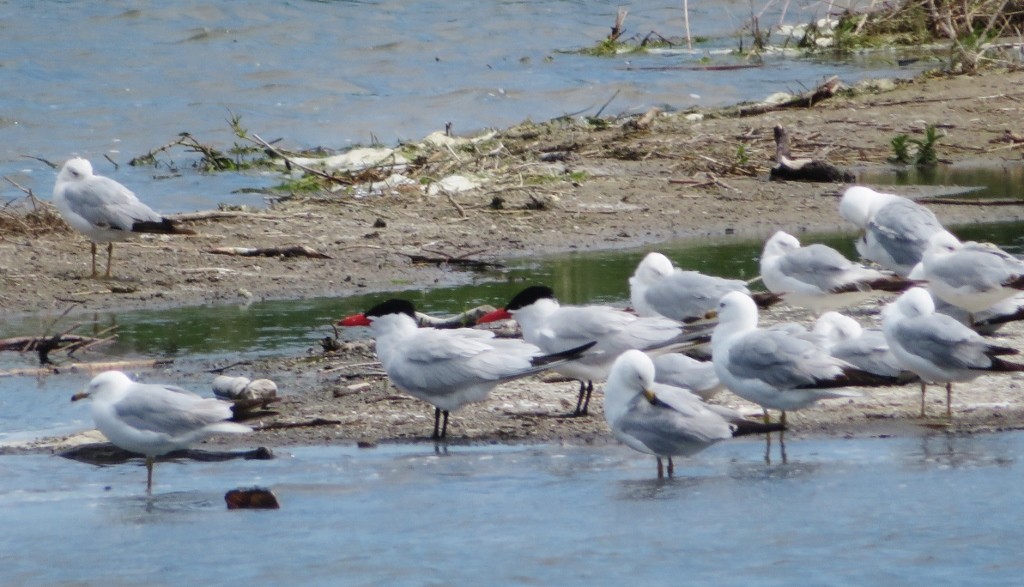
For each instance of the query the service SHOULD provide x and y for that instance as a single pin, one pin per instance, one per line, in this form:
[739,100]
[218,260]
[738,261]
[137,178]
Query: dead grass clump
[22,218]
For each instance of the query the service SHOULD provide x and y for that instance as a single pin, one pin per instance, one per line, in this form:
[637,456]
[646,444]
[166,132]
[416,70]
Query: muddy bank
[685,176]
[603,187]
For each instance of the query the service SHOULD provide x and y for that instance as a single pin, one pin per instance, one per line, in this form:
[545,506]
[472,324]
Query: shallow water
[119,79]
[934,510]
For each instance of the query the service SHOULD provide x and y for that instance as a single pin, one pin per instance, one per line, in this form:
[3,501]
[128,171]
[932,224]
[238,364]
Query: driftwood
[446,259]
[88,367]
[315,422]
[281,251]
[467,318]
[805,169]
[31,343]
[826,90]
[956,202]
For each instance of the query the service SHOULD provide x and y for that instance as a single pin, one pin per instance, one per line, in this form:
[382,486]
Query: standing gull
[774,368]
[818,277]
[972,276]
[555,328]
[153,420]
[937,347]
[657,288]
[104,210]
[894,230]
[663,420]
[449,368]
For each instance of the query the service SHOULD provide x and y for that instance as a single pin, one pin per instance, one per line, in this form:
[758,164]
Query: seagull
[818,277]
[985,322]
[680,370]
[864,348]
[104,210]
[774,368]
[937,347]
[663,420]
[452,367]
[973,276]
[657,288]
[894,230]
[153,420]
[555,328]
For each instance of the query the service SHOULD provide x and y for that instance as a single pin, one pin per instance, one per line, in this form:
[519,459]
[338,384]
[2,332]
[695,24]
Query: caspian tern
[153,420]
[774,368]
[104,210]
[555,328]
[818,277]
[450,368]
[663,420]
[657,288]
[894,230]
[937,347]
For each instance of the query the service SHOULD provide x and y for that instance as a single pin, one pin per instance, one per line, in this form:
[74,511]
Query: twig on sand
[306,168]
[824,91]
[279,251]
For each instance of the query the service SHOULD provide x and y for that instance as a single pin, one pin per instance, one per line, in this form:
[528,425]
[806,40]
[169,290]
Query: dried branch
[279,251]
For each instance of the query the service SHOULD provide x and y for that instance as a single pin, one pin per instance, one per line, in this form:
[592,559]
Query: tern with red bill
[449,368]
[556,328]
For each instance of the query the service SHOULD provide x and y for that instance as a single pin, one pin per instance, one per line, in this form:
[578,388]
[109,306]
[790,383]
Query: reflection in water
[660,489]
[957,451]
[1004,181]
[859,511]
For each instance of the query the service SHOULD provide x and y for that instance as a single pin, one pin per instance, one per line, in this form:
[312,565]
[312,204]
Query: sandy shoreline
[682,178]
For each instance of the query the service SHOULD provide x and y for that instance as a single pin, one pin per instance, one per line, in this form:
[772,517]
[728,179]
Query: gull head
[942,243]
[75,169]
[779,244]
[652,268]
[860,203]
[836,327]
[736,310]
[104,386]
[913,303]
[631,374]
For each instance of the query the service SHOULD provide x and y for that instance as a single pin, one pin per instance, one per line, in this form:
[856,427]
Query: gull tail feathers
[741,427]
[164,226]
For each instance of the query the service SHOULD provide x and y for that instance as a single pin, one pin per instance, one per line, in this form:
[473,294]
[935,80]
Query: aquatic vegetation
[918,152]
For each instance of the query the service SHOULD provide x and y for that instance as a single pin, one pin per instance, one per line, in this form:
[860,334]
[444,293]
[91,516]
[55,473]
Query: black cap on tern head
[392,306]
[529,296]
